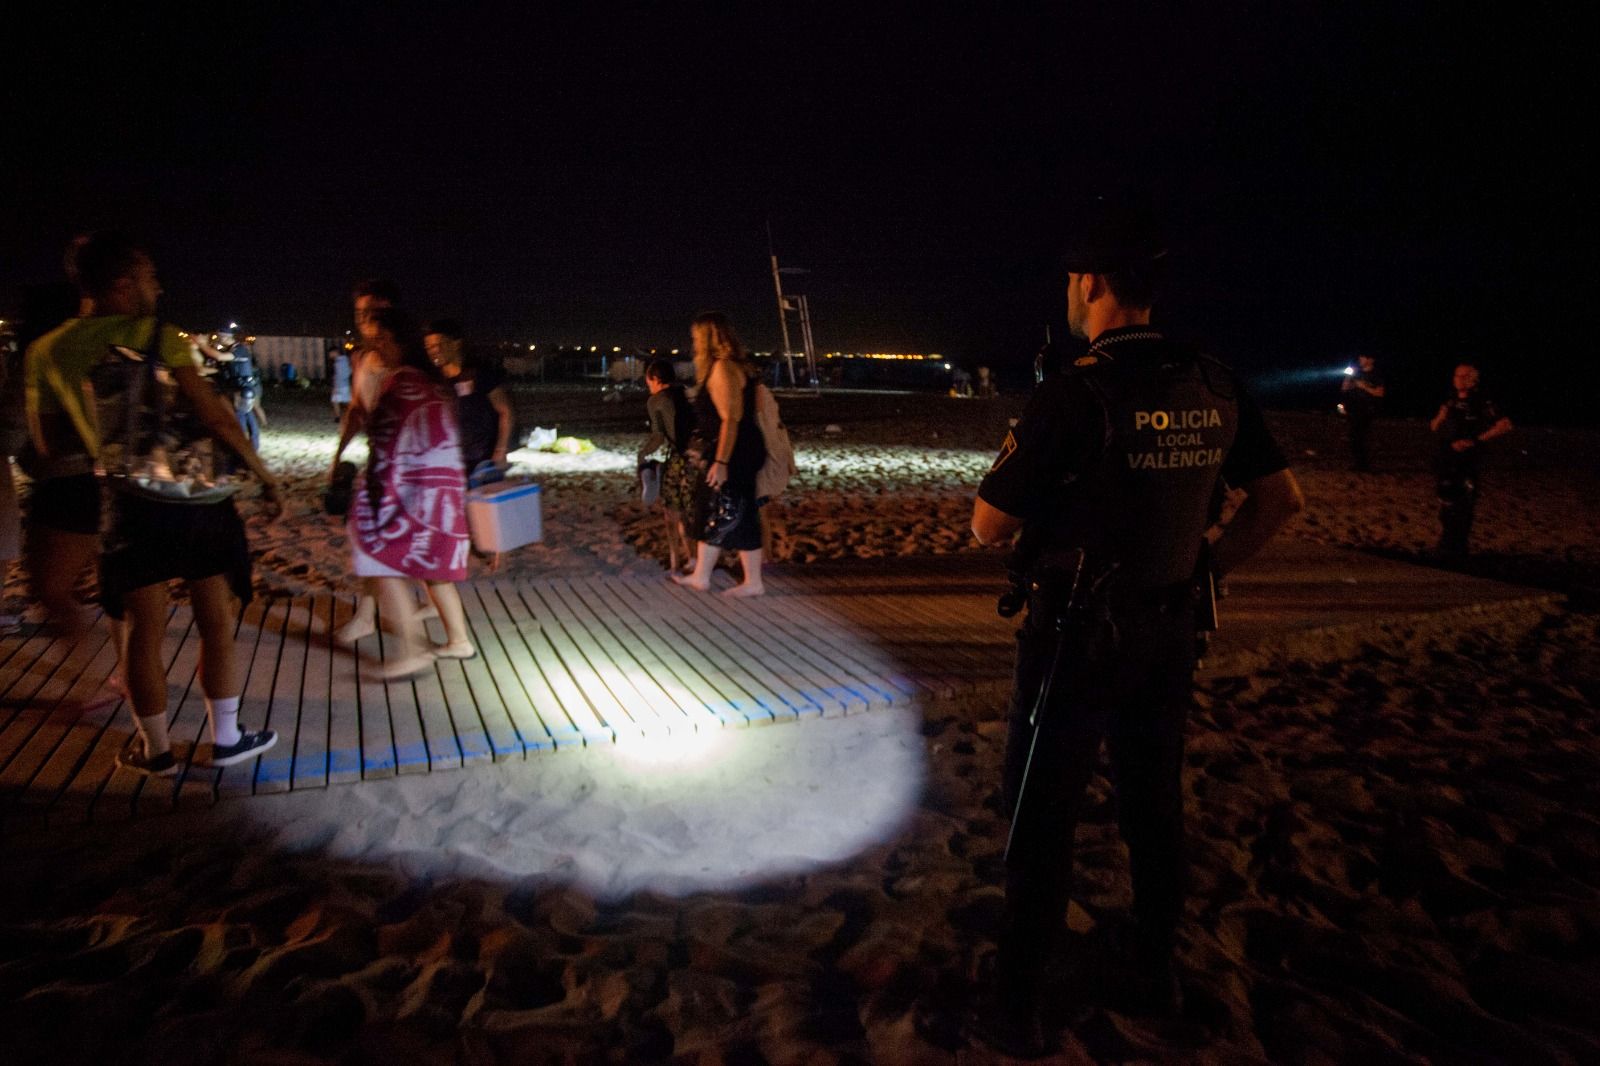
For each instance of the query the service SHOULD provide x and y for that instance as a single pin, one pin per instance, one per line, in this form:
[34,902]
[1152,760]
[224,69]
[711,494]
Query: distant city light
[594,348]
[531,347]
[615,348]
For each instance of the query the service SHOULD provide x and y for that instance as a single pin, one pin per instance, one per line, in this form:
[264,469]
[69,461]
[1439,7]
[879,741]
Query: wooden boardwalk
[561,664]
[570,662]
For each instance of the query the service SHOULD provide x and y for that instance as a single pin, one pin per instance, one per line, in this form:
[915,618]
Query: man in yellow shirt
[151,540]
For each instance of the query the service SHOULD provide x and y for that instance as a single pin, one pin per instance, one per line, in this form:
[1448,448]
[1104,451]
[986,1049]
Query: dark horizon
[1397,182]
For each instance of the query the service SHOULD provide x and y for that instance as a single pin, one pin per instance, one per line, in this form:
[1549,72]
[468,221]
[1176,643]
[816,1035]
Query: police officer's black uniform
[1360,409]
[1459,474]
[1118,456]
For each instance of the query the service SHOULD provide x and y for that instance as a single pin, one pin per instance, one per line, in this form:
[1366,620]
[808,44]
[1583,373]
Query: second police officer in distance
[1118,456]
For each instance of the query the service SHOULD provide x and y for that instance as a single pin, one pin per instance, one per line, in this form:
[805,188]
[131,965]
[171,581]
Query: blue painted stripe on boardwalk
[275,768]
[345,761]
[413,754]
[474,742]
[377,761]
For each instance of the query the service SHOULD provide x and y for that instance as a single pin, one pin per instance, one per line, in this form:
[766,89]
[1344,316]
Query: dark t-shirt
[1358,401]
[480,423]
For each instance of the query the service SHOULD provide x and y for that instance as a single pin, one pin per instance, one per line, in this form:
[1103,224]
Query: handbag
[723,515]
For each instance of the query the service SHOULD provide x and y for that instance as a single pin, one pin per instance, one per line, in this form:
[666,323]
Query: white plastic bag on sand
[540,437]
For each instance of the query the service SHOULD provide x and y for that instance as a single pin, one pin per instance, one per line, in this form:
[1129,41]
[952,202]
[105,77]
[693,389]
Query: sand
[1396,853]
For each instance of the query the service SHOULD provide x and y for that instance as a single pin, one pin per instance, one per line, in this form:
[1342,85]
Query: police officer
[1363,389]
[1117,457]
[1465,423]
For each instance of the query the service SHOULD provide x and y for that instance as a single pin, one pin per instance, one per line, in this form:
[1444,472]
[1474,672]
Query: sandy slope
[1396,855]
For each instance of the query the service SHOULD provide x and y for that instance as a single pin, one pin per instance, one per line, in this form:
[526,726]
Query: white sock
[224,715]
[153,731]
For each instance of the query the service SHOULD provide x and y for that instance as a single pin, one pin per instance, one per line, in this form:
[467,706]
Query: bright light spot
[531,347]
[947,366]
[674,351]
[594,348]
[675,752]
[615,348]
[1349,371]
[233,325]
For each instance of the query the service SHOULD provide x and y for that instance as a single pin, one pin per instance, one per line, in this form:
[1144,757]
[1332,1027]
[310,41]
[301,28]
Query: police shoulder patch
[1086,360]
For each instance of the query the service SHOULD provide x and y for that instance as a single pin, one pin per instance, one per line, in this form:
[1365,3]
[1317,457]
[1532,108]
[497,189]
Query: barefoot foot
[744,590]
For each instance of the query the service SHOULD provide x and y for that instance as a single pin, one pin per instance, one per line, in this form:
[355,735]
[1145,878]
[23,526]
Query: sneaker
[249,746]
[132,757]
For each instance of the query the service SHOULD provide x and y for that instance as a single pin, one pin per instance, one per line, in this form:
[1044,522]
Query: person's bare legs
[399,608]
[56,560]
[216,613]
[364,622]
[457,639]
[750,563]
[705,563]
[146,623]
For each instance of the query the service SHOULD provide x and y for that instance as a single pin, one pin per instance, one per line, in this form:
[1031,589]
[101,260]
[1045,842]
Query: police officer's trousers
[1134,694]
[1460,482]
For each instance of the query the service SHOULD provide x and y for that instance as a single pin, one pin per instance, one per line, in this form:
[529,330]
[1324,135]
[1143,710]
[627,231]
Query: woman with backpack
[729,453]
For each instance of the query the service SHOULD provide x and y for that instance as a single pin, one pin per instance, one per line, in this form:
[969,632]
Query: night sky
[1334,179]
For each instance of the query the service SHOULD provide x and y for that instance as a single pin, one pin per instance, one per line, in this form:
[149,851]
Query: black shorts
[66,504]
[152,542]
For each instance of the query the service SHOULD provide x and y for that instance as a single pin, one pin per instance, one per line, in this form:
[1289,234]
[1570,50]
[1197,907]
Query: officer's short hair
[661,370]
[1135,286]
[97,261]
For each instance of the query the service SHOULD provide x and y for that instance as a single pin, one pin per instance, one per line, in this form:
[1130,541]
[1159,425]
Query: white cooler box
[504,515]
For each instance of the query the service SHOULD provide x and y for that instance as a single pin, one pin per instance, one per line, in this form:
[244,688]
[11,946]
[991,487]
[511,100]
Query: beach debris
[541,438]
[833,429]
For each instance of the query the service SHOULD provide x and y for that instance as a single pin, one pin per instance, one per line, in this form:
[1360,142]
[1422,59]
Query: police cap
[1109,235]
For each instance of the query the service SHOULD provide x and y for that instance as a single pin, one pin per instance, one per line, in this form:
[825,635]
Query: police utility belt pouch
[151,444]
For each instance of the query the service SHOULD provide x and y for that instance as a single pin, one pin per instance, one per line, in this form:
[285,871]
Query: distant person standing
[242,382]
[1362,390]
[482,402]
[339,372]
[1465,423]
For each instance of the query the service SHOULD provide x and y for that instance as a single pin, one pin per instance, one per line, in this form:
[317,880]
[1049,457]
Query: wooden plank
[607,714]
[26,672]
[311,741]
[502,731]
[372,696]
[116,801]
[605,659]
[84,759]
[709,643]
[505,659]
[845,666]
[912,661]
[750,703]
[274,771]
[709,705]
[838,635]
[526,654]
[677,707]
[888,622]
[653,711]
[752,625]
[445,688]
[344,705]
[268,617]
[914,621]
[438,728]
[54,713]
[405,717]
